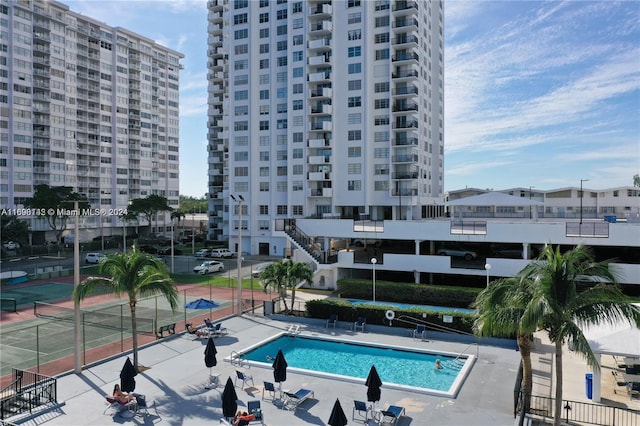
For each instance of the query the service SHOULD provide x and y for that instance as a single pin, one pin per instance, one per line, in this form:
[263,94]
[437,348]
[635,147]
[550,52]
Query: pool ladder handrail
[236,359]
[414,321]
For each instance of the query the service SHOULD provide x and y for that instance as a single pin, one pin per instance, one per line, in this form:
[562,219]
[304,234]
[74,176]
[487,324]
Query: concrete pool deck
[176,378]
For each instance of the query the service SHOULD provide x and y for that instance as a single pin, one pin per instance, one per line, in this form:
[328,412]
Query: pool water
[409,306]
[399,366]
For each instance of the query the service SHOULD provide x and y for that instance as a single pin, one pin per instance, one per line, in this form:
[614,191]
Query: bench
[169,328]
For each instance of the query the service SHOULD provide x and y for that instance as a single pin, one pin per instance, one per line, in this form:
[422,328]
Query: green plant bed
[422,294]
[216,281]
[376,315]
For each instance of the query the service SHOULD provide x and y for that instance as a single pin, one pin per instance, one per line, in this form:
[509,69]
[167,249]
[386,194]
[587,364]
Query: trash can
[267,307]
[588,378]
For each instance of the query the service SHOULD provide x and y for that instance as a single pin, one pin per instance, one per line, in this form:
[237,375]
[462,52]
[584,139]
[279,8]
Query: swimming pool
[399,367]
[409,306]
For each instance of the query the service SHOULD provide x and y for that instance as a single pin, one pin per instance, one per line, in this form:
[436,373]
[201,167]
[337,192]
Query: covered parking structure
[493,200]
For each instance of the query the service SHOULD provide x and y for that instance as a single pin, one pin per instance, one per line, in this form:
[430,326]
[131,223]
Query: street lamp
[581,196]
[487,267]
[239,200]
[172,254]
[373,263]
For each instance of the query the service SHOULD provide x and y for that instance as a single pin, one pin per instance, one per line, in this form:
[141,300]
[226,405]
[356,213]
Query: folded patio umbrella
[229,399]
[280,368]
[337,417]
[127,374]
[202,304]
[210,354]
[373,385]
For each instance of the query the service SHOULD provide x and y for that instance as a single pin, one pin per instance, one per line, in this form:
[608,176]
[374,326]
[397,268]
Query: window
[281,30]
[354,35]
[381,87]
[381,185]
[354,185]
[240,4]
[298,88]
[381,103]
[264,32]
[240,19]
[241,79]
[264,125]
[298,169]
[382,21]
[241,125]
[353,3]
[281,45]
[354,151]
[241,171]
[381,136]
[382,54]
[263,225]
[263,17]
[281,170]
[382,4]
[297,105]
[354,118]
[296,185]
[381,38]
[282,123]
[241,34]
[281,14]
[264,171]
[281,186]
[264,64]
[264,48]
[355,84]
[297,210]
[263,209]
[281,155]
[297,137]
[264,186]
[297,40]
[264,109]
[281,77]
[298,72]
[381,120]
[264,155]
[354,168]
[241,95]
[354,51]
[354,135]
[282,61]
[264,94]
[355,68]
[381,169]
[381,153]
[297,153]
[297,56]
[297,23]
[354,18]
[241,156]
[354,101]
[281,209]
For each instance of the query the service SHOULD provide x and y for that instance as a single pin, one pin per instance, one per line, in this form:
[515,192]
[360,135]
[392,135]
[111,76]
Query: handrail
[236,359]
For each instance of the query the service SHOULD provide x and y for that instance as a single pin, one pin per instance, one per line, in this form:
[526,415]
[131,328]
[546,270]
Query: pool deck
[175,384]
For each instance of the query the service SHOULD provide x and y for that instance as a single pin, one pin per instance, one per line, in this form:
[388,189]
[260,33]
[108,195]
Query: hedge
[375,314]
[420,294]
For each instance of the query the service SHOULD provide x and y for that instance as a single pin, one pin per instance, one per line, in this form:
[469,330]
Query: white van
[221,253]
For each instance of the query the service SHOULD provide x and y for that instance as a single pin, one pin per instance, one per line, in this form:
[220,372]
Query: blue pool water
[399,366]
[408,306]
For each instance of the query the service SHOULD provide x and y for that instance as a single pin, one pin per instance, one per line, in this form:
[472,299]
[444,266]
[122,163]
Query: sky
[538,94]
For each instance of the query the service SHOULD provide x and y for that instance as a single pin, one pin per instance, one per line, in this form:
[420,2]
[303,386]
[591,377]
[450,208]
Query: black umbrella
[127,381]
[210,354]
[280,368]
[229,399]
[337,417]
[373,385]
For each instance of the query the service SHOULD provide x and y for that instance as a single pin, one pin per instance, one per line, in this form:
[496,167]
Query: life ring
[390,315]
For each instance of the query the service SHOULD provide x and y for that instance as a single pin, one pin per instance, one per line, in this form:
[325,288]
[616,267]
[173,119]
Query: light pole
[373,263]
[76,283]
[530,207]
[581,195]
[172,258]
[239,200]
[193,232]
[487,268]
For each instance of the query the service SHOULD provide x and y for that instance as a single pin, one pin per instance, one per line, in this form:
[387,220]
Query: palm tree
[135,274]
[283,274]
[500,308]
[564,298]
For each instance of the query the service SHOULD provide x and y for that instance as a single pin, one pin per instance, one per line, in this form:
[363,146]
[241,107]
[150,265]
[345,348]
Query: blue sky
[539,94]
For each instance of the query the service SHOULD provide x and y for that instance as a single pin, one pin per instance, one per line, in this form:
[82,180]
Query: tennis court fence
[8,304]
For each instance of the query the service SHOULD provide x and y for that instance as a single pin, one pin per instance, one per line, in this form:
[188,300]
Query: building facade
[85,105]
[322,109]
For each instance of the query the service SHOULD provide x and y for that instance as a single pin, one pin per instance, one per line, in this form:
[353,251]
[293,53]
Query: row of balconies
[321,9]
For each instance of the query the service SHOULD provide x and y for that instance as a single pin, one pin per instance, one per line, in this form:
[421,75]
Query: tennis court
[49,292]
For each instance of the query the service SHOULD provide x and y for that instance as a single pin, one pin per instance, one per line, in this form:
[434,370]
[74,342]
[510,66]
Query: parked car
[94,257]
[11,245]
[203,253]
[148,249]
[258,269]
[455,252]
[208,267]
[225,253]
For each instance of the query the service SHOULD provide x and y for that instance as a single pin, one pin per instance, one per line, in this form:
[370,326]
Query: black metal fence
[8,304]
[27,391]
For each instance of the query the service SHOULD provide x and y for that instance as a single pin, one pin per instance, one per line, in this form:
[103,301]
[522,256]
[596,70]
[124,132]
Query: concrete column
[417,246]
[597,379]
[432,247]
[416,277]
[525,251]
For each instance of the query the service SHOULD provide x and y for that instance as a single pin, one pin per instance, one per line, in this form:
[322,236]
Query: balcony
[404,175]
[324,92]
[405,39]
[405,158]
[318,143]
[324,27]
[318,60]
[405,142]
[401,6]
[321,192]
[320,43]
[320,76]
[319,159]
[319,176]
[320,10]
[400,57]
[409,124]
[322,109]
[405,106]
[323,126]
[405,90]
[405,23]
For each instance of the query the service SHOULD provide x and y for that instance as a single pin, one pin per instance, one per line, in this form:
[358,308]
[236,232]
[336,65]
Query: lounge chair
[117,406]
[293,329]
[362,321]
[195,331]
[420,331]
[253,407]
[244,377]
[360,407]
[142,405]
[333,319]
[293,400]
[618,382]
[269,387]
[391,415]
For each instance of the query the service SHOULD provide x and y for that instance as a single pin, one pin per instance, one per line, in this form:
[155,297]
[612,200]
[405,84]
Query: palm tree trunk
[134,332]
[524,344]
[293,296]
[557,413]
[283,295]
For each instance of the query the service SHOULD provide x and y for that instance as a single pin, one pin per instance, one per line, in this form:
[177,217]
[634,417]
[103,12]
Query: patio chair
[617,382]
[360,407]
[333,319]
[253,407]
[420,331]
[362,321]
[293,400]
[195,331]
[245,378]
[117,406]
[142,405]
[391,415]
[219,330]
[271,389]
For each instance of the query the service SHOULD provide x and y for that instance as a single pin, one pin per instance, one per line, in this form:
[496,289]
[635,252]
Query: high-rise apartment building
[85,105]
[322,109]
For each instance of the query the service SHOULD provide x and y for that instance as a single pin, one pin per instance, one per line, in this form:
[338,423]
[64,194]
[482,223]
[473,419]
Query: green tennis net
[112,321]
